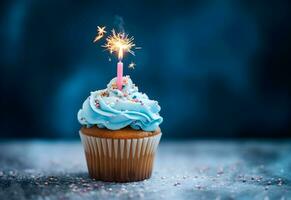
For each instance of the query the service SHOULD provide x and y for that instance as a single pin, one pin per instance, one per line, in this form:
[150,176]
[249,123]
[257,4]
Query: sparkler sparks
[132,65]
[119,43]
[100,33]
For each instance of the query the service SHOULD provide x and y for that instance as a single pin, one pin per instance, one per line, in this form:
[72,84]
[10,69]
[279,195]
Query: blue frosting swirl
[114,109]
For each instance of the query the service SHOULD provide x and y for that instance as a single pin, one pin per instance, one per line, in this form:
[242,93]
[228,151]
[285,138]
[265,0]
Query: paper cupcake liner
[120,160]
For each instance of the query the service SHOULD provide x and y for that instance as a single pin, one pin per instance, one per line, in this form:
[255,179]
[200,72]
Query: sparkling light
[119,43]
[132,65]
[100,33]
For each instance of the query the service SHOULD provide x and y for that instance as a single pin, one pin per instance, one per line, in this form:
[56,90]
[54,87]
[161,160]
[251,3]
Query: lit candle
[119,43]
[119,75]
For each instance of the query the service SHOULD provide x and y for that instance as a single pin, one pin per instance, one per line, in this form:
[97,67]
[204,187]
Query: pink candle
[119,75]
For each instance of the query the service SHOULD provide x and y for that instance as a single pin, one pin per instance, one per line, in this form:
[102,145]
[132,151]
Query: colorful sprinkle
[105,94]
[97,105]
[124,80]
[114,86]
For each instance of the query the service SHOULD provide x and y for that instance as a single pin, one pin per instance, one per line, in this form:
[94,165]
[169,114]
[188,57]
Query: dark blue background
[217,68]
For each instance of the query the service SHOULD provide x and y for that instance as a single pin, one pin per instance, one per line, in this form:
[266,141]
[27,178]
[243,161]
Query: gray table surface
[183,170]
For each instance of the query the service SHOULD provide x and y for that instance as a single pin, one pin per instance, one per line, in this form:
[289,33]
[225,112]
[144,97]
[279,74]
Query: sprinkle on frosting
[115,109]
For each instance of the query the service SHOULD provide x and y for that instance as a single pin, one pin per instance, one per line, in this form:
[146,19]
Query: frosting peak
[115,109]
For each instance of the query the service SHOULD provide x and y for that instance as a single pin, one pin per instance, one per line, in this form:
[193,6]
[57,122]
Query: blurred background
[219,69]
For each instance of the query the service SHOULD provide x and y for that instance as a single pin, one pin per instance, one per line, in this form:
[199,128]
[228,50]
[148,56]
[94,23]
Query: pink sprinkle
[97,104]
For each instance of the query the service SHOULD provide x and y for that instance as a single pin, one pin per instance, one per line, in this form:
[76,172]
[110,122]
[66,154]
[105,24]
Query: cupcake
[120,132]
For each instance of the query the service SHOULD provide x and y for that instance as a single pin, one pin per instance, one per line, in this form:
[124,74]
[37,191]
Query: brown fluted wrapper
[120,160]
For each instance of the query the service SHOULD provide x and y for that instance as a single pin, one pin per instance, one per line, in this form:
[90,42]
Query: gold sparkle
[132,65]
[119,43]
[100,33]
